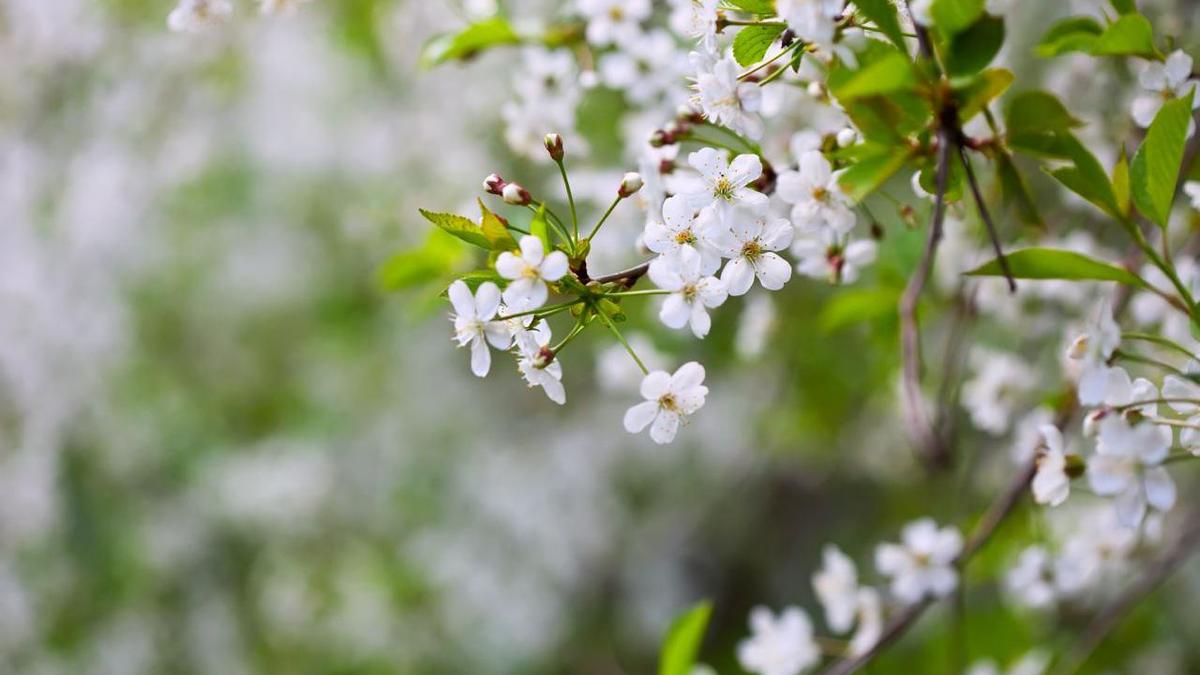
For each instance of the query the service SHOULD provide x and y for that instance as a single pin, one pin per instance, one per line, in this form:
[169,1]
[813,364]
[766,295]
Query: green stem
[1138,358]
[750,146]
[1158,340]
[621,338]
[570,198]
[576,330]
[554,222]
[1173,423]
[604,217]
[627,294]
[549,309]
[1155,401]
[771,60]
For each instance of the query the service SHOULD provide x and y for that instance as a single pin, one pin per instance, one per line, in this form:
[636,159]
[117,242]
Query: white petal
[664,427]
[555,266]
[664,273]
[690,374]
[1131,506]
[640,415]
[532,250]
[1176,387]
[481,358]
[461,299]
[510,266]
[487,301]
[772,271]
[656,385]
[708,162]
[675,311]
[737,276]
[700,321]
[744,169]
[1160,489]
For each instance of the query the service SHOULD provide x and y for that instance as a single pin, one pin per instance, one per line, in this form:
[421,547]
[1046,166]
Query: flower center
[751,250]
[723,189]
[616,13]
[820,194]
[667,402]
[689,292]
[685,237]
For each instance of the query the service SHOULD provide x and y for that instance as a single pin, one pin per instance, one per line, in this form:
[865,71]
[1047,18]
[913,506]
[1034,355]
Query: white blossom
[474,325]
[1093,349]
[196,15]
[922,565]
[838,260]
[1051,484]
[836,585]
[683,228]
[1031,581]
[696,19]
[532,362]
[811,20]
[779,645]
[996,390]
[726,100]
[610,21]
[1162,82]
[750,246]
[725,185]
[817,199]
[669,400]
[691,291]
[528,272]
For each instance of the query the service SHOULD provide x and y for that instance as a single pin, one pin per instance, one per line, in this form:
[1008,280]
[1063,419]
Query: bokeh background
[227,446]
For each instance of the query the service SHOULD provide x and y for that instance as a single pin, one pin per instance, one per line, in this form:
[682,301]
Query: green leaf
[1076,34]
[973,49]
[953,16]
[882,13]
[683,640]
[754,6]
[889,73]
[955,179]
[432,261]
[1155,169]
[1037,111]
[1129,35]
[494,230]
[1086,177]
[858,305]
[866,175]
[752,42]
[978,93]
[468,42]
[1124,6]
[1016,191]
[540,227]
[1121,184]
[459,226]
[1052,263]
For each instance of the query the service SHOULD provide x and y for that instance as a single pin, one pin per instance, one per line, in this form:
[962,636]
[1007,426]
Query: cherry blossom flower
[836,585]
[997,389]
[1051,485]
[779,645]
[1093,349]
[726,100]
[691,290]
[1175,388]
[533,364]
[529,271]
[1031,581]
[725,184]
[610,21]
[647,68]
[750,245]
[811,20]
[696,19]
[473,324]
[870,622]
[669,400]
[817,199]
[279,7]
[196,15]
[683,228]
[835,259]
[923,564]
[1163,82]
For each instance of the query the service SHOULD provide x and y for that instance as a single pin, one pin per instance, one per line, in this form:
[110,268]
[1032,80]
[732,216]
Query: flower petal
[481,358]
[665,425]
[737,276]
[772,271]
[461,299]
[555,266]
[640,416]
[655,385]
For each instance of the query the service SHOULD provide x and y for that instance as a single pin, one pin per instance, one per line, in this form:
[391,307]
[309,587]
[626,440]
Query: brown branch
[1112,615]
[986,217]
[630,276]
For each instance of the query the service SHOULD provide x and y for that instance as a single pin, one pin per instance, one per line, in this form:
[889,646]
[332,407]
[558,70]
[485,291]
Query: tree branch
[630,276]
[986,217]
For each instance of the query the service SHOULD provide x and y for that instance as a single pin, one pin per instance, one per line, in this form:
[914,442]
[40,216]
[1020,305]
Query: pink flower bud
[554,146]
[494,184]
[515,194]
[630,183]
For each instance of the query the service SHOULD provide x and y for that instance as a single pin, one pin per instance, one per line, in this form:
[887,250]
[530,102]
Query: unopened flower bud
[660,137]
[554,146]
[846,137]
[494,184]
[630,183]
[515,194]
[544,357]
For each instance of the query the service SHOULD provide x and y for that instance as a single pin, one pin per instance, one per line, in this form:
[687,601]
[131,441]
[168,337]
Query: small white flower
[870,622]
[725,184]
[531,361]
[750,245]
[696,19]
[779,645]
[811,20]
[997,389]
[826,255]
[683,228]
[610,21]
[529,271]
[1094,348]
[279,7]
[196,15]
[836,585]
[669,399]
[691,290]
[817,199]
[646,69]
[1051,484]
[724,99]
[1179,391]
[923,565]
[1030,582]
[1163,82]
[474,325]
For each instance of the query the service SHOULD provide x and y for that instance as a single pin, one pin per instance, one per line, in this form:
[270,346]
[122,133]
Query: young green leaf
[891,73]
[1016,191]
[882,13]
[1155,169]
[1124,6]
[683,640]
[431,261]
[974,96]
[752,42]
[468,42]
[459,226]
[1120,183]
[1129,35]
[493,228]
[754,6]
[1036,111]
[1076,34]
[973,49]
[1052,263]
[866,175]
[540,227]
[953,16]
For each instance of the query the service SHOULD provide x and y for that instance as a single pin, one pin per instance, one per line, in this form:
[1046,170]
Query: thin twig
[1112,615]
[630,275]
[986,217]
